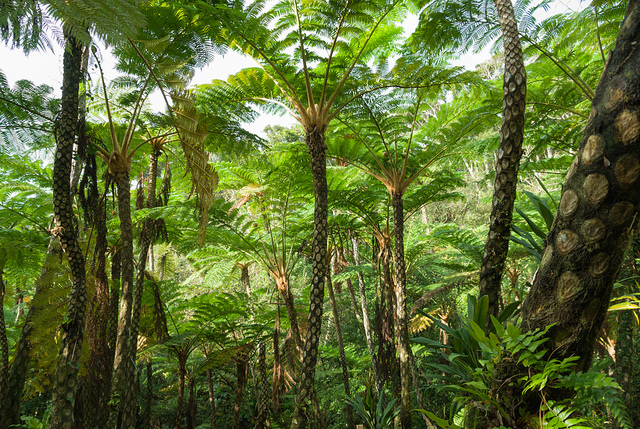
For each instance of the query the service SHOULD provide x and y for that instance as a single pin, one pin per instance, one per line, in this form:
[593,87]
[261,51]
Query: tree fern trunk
[509,154]
[263,386]
[285,292]
[402,328]
[182,375]
[212,399]
[65,383]
[343,357]
[597,211]
[241,378]
[4,342]
[121,372]
[315,140]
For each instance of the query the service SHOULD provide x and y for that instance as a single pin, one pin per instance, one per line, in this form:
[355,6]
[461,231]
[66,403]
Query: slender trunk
[595,216]
[402,327]
[262,419]
[366,322]
[343,358]
[65,382]
[191,404]
[146,421]
[182,374]
[212,399]
[4,342]
[509,154]
[315,140]
[278,376]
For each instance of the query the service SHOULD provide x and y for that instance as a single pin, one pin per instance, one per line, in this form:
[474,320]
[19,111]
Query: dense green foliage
[230,263]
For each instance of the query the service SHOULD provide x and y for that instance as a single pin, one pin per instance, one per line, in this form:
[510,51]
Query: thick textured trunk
[402,327]
[65,382]
[387,321]
[315,140]
[366,322]
[262,419]
[343,358]
[182,375]
[212,399]
[121,372]
[596,213]
[509,154]
[96,384]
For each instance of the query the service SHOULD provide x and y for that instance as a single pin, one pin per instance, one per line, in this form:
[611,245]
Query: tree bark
[241,374]
[402,328]
[191,404]
[212,398]
[596,213]
[366,322]
[509,154]
[65,383]
[343,357]
[4,342]
[282,283]
[315,140]
[182,375]
[262,419]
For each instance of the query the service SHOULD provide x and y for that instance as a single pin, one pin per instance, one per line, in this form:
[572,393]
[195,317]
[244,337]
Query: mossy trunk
[65,382]
[302,415]
[401,322]
[509,154]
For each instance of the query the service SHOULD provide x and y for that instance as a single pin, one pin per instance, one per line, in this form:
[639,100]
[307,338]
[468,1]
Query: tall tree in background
[508,158]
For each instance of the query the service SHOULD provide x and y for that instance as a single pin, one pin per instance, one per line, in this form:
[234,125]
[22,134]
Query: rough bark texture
[191,404]
[509,154]
[343,358]
[315,140]
[96,384]
[597,209]
[386,322]
[65,383]
[121,362]
[402,327]
[182,375]
[146,419]
[282,282]
[242,367]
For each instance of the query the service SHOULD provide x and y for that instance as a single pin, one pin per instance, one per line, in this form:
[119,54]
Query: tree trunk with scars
[387,320]
[129,405]
[315,140]
[343,358]
[509,154]
[65,384]
[596,214]
[402,328]
[121,361]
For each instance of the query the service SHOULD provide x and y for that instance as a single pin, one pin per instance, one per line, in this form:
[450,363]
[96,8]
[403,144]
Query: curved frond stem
[128,135]
[604,59]
[557,106]
[584,87]
[44,229]
[112,129]
[364,143]
[345,77]
[333,48]
[413,127]
[27,109]
[279,103]
[307,79]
